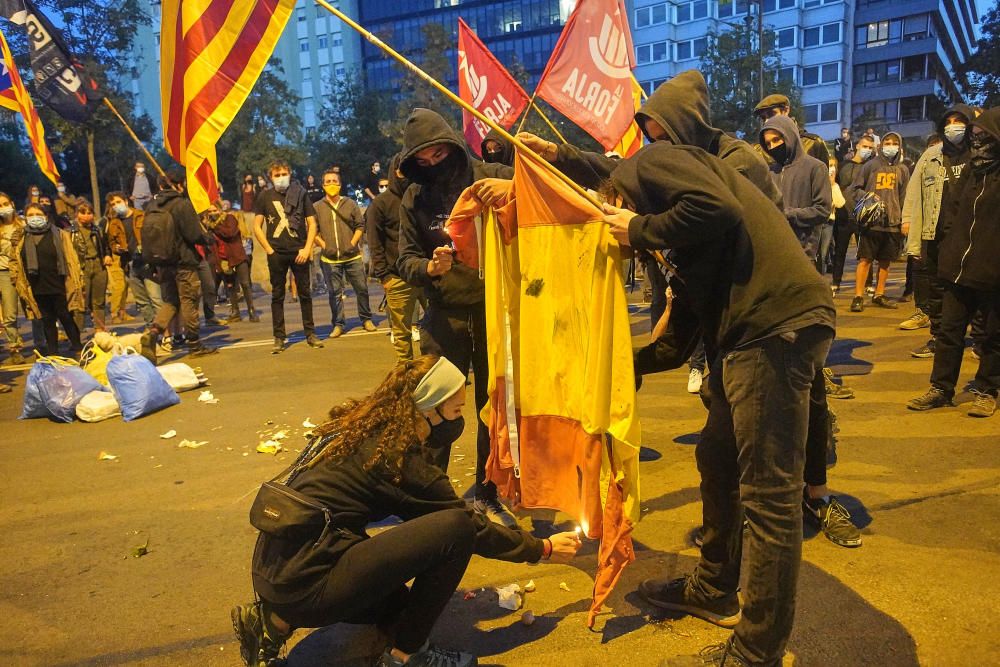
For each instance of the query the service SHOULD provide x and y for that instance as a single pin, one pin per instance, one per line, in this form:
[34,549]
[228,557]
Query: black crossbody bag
[281,511]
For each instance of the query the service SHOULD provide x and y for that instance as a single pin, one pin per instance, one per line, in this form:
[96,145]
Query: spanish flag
[13,96]
[631,141]
[211,54]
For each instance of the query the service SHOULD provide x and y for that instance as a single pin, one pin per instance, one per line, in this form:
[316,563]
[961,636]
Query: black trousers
[928,288]
[368,583]
[818,436]
[459,335]
[750,457]
[239,281]
[843,229]
[278,265]
[54,308]
[958,309]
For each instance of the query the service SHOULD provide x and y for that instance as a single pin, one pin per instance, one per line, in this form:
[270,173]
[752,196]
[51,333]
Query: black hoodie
[382,222]
[186,223]
[506,153]
[681,107]
[886,178]
[955,160]
[970,253]
[428,202]
[803,180]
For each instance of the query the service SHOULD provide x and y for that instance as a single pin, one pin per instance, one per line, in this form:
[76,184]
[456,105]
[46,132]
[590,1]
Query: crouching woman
[370,462]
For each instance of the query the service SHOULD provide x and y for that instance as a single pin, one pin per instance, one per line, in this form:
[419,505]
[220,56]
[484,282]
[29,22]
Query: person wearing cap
[369,461]
[778,105]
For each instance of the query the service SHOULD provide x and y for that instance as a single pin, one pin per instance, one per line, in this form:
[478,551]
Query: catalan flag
[211,54]
[13,96]
[631,141]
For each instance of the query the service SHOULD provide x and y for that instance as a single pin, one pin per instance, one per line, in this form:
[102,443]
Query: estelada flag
[211,54]
[631,141]
[13,96]
[564,430]
[484,83]
[589,75]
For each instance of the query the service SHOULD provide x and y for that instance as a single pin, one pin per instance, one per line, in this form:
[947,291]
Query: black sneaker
[882,302]
[257,647]
[495,511]
[278,347]
[857,304]
[681,596]
[934,398]
[313,341]
[833,519]
[719,655]
[925,351]
[429,656]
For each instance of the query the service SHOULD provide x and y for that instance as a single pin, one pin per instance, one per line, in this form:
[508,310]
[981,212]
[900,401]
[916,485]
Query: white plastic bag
[180,376]
[97,406]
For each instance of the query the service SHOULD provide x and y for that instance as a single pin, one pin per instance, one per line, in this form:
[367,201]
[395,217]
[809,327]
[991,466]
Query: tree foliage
[731,65]
[980,74]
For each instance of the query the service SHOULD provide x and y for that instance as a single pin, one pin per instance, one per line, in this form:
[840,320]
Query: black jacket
[681,107]
[382,221]
[284,570]
[803,180]
[955,160]
[428,202]
[886,178]
[186,223]
[970,253]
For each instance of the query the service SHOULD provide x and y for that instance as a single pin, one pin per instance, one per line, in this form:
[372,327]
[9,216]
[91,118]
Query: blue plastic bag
[34,405]
[62,390]
[138,387]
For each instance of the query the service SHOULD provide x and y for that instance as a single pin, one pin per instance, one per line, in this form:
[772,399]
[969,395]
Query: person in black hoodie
[967,261]
[778,105]
[767,319]
[180,286]
[369,461]
[846,226]
[382,221]
[886,176]
[495,149]
[438,165]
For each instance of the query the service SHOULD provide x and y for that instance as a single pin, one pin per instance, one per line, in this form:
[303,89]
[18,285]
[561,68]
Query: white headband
[439,383]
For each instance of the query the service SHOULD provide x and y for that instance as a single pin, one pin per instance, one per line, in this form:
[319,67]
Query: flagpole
[531,105]
[576,187]
[136,139]
[549,123]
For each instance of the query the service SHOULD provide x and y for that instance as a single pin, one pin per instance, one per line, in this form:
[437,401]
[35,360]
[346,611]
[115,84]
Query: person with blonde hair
[11,233]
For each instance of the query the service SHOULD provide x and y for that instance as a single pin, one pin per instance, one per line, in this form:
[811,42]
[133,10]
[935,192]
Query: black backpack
[160,241]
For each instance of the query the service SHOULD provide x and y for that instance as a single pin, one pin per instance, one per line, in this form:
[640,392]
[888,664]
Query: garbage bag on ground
[94,359]
[98,406]
[140,390]
[180,376]
[41,387]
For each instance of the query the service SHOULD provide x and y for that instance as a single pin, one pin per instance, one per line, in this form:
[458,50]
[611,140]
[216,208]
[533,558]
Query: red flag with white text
[486,85]
[589,76]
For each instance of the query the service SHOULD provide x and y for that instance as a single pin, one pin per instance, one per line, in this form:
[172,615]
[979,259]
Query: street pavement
[925,487]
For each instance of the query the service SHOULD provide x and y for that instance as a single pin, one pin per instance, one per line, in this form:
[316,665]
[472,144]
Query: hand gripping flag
[485,84]
[564,433]
[13,96]
[211,54]
[60,81]
[589,75]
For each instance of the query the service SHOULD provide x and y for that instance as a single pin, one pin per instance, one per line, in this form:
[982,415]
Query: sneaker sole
[925,408]
[980,415]
[850,544]
[921,355]
[240,631]
[728,622]
[914,327]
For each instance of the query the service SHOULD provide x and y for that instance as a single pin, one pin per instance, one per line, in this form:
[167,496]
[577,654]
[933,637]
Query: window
[651,53]
[775,5]
[323,41]
[659,13]
[914,68]
[694,48]
[820,74]
[338,40]
[911,108]
[786,74]
[878,34]
[651,15]
[887,111]
[300,14]
[827,34]
[785,38]
[307,89]
[730,8]
[809,4]
[916,27]
[690,11]
[303,46]
[827,112]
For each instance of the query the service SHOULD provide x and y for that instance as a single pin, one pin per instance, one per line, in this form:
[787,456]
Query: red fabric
[486,85]
[616,550]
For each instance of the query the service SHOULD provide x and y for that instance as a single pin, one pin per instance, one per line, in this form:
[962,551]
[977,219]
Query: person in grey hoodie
[803,180]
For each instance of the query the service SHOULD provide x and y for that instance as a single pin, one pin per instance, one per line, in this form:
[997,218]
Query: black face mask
[493,156]
[445,432]
[984,153]
[444,172]
[779,153]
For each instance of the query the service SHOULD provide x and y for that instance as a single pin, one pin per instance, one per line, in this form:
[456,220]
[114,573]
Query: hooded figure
[887,177]
[382,223]
[803,180]
[955,156]
[503,155]
[681,107]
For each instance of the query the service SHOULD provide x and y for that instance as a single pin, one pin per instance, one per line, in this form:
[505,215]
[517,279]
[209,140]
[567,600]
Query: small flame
[583,527]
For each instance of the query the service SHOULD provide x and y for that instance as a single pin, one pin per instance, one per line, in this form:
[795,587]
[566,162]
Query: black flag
[60,80]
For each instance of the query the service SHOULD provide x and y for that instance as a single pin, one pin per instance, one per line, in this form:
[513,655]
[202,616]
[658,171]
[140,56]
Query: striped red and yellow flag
[13,96]
[211,54]
[631,141]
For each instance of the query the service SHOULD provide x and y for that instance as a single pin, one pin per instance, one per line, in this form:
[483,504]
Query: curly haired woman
[372,461]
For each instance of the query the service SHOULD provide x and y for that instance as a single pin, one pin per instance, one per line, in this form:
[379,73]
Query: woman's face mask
[120,209]
[445,432]
[36,223]
[6,213]
[35,193]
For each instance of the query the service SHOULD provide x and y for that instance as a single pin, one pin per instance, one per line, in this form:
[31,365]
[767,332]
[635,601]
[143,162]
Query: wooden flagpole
[132,134]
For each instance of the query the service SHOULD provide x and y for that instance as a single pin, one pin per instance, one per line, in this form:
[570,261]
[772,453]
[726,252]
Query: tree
[732,65]
[980,74]
[19,166]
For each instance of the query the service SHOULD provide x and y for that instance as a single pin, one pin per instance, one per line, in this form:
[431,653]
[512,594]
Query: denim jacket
[923,199]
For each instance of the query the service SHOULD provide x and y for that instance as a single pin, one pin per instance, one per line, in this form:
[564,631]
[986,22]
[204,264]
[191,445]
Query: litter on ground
[169,434]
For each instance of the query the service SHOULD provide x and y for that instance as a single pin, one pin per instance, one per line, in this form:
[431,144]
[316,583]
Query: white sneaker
[694,381]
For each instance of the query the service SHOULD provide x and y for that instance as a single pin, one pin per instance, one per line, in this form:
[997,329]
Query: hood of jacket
[990,122]
[397,183]
[789,130]
[506,155]
[970,115]
[425,128]
[680,106]
[902,153]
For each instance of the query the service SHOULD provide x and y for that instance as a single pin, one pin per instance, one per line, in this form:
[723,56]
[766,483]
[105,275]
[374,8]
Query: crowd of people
[746,304]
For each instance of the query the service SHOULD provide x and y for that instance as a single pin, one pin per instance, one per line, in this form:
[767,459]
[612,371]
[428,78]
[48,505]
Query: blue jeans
[336,275]
[146,293]
[825,241]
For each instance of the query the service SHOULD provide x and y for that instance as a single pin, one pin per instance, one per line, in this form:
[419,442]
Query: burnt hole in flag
[535,287]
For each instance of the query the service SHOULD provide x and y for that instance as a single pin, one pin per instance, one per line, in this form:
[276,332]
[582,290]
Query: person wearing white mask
[48,279]
[142,189]
[846,227]
[65,203]
[11,233]
[125,236]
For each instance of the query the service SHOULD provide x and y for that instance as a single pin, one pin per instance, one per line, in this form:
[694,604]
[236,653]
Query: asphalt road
[922,589]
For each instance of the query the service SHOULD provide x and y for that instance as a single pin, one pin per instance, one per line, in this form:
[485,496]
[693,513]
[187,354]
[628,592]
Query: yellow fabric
[631,141]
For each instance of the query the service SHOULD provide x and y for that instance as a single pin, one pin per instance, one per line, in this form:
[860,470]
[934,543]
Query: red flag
[589,76]
[486,85]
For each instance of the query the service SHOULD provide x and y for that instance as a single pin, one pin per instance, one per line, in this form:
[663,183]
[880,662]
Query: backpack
[160,241]
[870,211]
